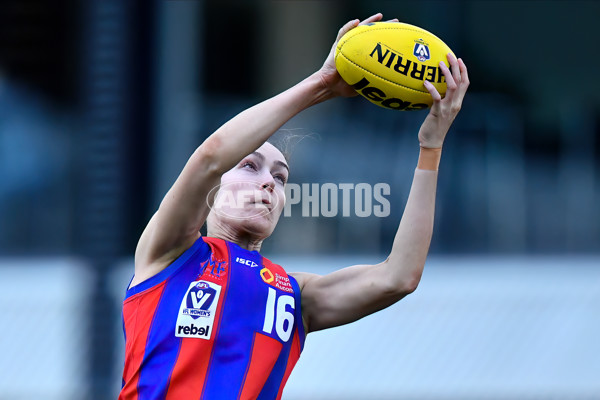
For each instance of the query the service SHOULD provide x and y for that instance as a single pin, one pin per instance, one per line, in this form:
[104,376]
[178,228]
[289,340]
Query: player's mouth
[265,201]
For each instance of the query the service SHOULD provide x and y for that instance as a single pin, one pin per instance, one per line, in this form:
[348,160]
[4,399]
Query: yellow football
[387,63]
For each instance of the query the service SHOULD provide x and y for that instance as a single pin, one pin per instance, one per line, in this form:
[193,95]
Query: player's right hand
[330,78]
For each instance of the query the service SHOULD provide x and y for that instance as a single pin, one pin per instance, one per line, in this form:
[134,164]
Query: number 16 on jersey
[276,313]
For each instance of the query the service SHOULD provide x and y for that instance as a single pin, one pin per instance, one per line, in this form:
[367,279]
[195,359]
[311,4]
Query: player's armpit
[176,224]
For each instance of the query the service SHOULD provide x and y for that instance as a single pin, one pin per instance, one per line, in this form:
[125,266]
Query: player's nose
[269,184]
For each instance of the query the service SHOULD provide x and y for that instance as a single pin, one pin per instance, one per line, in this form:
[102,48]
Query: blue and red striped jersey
[220,322]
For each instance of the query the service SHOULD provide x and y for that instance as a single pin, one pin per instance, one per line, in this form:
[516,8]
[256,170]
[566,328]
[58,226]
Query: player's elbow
[411,283]
[208,156]
[405,284]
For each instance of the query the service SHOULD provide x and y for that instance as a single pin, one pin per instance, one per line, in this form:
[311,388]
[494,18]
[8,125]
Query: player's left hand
[328,73]
[444,111]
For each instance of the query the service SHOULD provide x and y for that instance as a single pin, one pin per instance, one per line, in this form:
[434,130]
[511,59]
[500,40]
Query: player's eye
[280,178]
[249,165]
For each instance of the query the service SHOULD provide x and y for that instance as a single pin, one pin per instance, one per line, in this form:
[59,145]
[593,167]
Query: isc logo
[377,95]
[249,263]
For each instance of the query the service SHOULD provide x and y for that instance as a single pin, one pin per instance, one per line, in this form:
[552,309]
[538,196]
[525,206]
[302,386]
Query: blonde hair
[285,140]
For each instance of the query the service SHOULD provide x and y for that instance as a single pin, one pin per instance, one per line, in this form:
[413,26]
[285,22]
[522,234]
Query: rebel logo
[193,330]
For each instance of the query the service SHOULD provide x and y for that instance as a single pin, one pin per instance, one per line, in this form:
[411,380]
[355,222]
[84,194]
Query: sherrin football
[387,63]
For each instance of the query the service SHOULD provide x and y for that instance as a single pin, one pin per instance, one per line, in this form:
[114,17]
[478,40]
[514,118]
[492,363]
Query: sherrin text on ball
[387,63]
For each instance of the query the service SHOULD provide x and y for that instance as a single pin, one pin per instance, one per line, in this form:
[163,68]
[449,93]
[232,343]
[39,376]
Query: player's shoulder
[303,277]
[161,268]
[218,247]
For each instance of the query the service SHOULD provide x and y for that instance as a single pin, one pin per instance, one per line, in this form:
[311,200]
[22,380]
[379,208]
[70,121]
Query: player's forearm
[248,130]
[409,251]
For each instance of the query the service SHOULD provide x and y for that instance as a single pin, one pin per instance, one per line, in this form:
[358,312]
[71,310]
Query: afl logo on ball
[421,50]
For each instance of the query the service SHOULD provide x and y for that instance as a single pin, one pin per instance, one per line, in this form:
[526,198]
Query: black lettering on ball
[395,104]
[361,84]
[372,93]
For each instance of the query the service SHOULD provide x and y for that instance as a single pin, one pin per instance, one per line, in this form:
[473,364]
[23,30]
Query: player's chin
[257,221]
[258,228]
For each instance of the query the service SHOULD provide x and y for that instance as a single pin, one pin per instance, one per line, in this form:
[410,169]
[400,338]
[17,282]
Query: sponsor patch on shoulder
[276,280]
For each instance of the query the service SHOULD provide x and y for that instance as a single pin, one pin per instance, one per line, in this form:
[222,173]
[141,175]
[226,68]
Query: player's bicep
[347,295]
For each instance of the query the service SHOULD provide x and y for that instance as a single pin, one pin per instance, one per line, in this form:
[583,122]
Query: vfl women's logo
[421,50]
[197,311]
[199,300]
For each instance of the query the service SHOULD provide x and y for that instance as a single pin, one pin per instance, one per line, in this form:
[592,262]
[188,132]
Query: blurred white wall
[43,328]
[477,327]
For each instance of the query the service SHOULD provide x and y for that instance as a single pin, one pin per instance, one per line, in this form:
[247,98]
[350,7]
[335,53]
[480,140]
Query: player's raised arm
[354,292]
[176,224]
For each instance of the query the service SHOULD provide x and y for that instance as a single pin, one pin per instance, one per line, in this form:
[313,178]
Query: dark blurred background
[102,102]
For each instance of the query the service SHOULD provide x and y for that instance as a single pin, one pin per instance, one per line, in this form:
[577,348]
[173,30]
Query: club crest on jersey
[421,50]
[216,268]
[197,311]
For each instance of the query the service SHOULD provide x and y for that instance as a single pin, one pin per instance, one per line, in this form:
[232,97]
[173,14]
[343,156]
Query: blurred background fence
[103,101]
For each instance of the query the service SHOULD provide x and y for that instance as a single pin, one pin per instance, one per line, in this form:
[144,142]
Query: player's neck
[243,239]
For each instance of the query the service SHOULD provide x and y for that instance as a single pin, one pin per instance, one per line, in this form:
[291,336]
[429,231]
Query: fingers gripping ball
[387,63]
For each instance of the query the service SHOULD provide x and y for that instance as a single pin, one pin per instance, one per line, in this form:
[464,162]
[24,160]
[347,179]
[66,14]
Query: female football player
[208,316]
